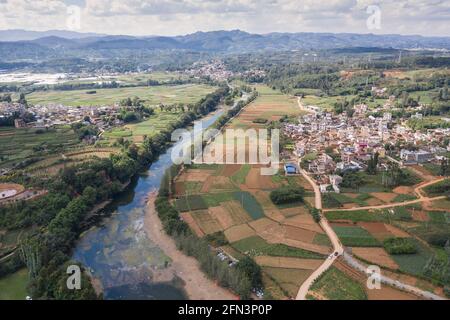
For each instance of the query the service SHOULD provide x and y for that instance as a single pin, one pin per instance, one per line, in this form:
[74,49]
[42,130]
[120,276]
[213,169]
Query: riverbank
[197,285]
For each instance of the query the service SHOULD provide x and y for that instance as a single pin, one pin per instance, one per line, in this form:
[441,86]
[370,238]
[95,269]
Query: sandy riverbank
[197,285]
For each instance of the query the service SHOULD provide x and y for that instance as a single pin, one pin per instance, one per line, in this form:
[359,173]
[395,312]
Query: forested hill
[236,41]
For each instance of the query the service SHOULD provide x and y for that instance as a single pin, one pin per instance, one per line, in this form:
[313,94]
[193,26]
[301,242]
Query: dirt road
[417,190]
[197,285]
[338,248]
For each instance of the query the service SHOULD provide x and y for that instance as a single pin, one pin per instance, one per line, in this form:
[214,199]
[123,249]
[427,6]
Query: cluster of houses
[330,144]
[215,70]
[46,116]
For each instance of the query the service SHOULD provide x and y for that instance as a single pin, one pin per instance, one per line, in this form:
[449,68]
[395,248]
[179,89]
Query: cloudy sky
[174,17]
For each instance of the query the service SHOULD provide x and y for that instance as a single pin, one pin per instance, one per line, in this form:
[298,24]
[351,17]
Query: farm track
[350,260]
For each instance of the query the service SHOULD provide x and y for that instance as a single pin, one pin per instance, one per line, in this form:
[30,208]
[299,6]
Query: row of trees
[61,214]
[242,278]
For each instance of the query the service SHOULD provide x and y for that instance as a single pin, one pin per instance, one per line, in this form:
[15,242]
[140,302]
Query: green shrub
[286,195]
[400,246]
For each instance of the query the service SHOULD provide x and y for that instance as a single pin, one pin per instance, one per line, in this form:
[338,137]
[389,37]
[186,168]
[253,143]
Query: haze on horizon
[179,17]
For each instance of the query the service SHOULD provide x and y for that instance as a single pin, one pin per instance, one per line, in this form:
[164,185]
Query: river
[118,252]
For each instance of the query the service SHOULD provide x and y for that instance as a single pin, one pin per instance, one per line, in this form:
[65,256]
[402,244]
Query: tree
[372,165]
[445,168]
[22,99]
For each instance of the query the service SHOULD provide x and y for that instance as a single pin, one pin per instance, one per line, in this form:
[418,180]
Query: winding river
[119,254]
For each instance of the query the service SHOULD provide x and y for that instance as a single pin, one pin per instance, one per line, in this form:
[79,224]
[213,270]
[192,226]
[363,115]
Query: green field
[136,131]
[336,285]
[188,93]
[18,144]
[414,263]
[355,237]
[256,246]
[13,286]
[190,203]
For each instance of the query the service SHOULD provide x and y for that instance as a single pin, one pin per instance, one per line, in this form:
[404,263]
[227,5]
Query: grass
[336,285]
[188,93]
[14,286]
[355,237]
[257,246]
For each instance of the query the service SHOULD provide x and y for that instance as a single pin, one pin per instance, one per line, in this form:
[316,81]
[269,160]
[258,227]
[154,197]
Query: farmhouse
[290,168]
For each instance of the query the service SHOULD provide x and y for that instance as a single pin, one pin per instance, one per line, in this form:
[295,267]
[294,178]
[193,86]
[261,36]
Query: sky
[178,17]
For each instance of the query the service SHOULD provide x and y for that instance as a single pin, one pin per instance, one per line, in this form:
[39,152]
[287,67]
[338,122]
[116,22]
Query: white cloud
[169,17]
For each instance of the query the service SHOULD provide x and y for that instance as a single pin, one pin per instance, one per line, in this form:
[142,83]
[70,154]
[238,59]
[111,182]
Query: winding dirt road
[338,248]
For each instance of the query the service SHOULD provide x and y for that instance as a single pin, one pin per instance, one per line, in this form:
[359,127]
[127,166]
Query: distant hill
[25,35]
[40,47]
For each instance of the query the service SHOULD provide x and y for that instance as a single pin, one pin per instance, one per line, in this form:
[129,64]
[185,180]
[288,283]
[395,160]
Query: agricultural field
[336,285]
[188,93]
[235,199]
[14,286]
[353,236]
[20,144]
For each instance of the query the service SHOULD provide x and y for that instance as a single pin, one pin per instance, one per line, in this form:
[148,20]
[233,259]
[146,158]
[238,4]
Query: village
[47,116]
[328,145]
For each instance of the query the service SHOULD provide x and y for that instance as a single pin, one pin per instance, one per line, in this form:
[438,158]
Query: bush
[287,195]
[400,246]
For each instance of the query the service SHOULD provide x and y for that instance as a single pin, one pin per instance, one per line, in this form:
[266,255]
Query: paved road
[355,264]
[301,295]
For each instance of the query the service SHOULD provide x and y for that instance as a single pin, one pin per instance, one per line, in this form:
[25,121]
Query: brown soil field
[263,224]
[179,188]
[263,197]
[187,217]
[206,222]
[290,212]
[389,293]
[404,190]
[397,232]
[12,186]
[240,232]
[274,214]
[420,216]
[349,205]
[374,202]
[394,74]
[230,169]
[310,200]
[255,180]
[223,216]
[376,256]
[304,221]
[237,212]
[196,175]
[427,175]
[288,262]
[217,183]
[377,229]
[384,196]
[299,234]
